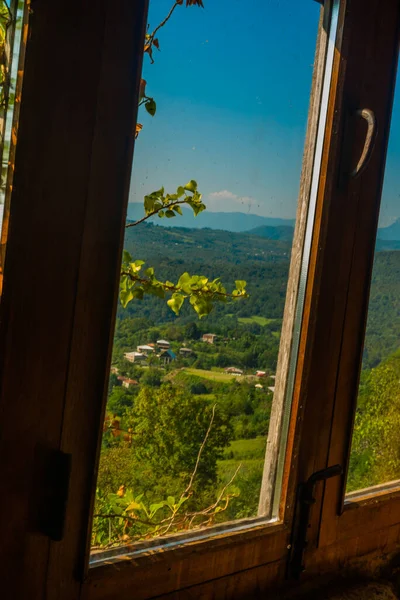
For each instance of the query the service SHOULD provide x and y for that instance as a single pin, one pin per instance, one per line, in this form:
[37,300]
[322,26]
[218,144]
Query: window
[374,455]
[188,410]
[13,32]
[60,299]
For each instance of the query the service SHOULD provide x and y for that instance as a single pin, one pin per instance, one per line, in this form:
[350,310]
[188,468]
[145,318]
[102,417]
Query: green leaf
[133,506]
[126,257]
[201,305]
[155,289]
[136,266]
[137,293]
[125,297]
[159,193]
[151,106]
[184,283]
[171,501]
[191,186]
[170,214]
[175,303]
[241,285]
[148,204]
[180,191]
[178,209]
[155,508]
[149,272]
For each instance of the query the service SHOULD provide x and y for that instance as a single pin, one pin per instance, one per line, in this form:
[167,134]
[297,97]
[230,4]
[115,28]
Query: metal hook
[369,116]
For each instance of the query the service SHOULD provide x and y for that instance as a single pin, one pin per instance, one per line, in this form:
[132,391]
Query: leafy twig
[156,211]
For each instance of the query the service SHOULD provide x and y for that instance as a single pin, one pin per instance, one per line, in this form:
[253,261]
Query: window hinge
[305,500]
[50,492]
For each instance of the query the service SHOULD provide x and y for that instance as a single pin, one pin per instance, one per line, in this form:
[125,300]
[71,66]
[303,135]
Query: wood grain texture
[285,349]
[97,286]
[360,53]
[168,571]
[374,90]
[58,140]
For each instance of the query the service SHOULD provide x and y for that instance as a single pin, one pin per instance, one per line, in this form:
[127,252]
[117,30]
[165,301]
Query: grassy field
[247,453]
[255,319]
[246,449]
[213,375]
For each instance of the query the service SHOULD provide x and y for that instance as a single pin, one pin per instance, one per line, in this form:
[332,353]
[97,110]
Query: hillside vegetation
[158,419]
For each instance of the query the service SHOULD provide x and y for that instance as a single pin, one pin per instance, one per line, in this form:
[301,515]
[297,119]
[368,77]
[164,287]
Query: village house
[167,356]
[185,352]
[234,371]
[126,382]
[145,349]
[135,356]
[210,338]
[163,344]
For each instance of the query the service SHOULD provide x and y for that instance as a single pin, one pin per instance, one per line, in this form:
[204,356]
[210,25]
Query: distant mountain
[390,233]
[281,232]
[234,221]
[382,245]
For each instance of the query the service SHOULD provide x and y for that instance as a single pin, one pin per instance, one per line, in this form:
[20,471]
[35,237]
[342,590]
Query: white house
[210,338]
[163,344]
[145,349]
[234,371]
[185,351]
[135,356]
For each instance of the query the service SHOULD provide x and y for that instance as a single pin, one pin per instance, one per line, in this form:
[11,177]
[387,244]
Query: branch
[199,454]
[151,38]
[167,18]
[125,517]
[156,211]
[175,288]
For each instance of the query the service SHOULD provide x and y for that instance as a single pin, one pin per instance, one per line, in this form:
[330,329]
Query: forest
[184,438]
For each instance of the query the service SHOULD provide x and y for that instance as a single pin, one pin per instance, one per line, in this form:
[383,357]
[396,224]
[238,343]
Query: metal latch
[305,501]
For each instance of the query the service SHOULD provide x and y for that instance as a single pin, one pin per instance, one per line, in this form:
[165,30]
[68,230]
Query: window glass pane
[190,398]
[375,452]
[13,16]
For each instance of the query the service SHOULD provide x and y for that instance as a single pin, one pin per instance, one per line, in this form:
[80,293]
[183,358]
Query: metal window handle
[368,115]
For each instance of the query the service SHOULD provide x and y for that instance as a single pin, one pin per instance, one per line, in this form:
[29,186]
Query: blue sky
[232,84]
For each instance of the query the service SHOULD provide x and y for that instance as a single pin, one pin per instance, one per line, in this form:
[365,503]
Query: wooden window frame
[48,382]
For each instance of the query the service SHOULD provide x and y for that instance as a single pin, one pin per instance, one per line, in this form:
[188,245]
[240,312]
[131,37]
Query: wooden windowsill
[200,540]
[372,495]
[154,571]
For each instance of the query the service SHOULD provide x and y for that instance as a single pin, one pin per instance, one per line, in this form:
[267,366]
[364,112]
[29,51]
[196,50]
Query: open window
[197,526]
[13,36]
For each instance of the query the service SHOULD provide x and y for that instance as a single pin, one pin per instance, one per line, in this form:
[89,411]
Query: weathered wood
[98,282]
[59,123]
[375,90]
[253,583]
[163,572]
[275,432]
[360,54]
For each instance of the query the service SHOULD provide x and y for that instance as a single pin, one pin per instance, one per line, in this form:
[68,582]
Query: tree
[375,455]
[136,281]
[152,377]
[191,331]
[119,400]
[169,426]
